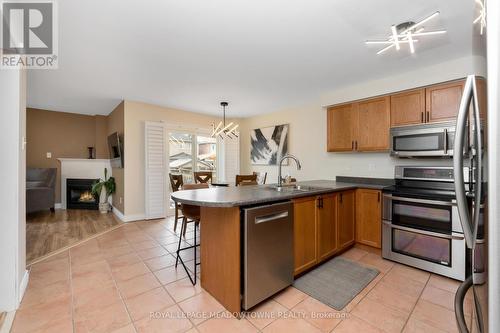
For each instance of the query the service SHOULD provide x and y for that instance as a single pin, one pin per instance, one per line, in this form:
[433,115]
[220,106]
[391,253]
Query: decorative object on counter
[336,282]
[404,33]
[91,153]
[269,144]
[103,189]
[222,130]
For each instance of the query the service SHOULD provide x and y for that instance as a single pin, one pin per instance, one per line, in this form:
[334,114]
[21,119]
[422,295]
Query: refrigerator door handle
[458,162]
[476,208]
[459,304]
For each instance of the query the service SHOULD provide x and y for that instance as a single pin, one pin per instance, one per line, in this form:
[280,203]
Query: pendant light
[222,129]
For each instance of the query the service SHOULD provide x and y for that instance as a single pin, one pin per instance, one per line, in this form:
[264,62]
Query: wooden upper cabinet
[369,217]
[326,216]
[345,218]
[360,126]
[373,124]
[340,127]
[408,108]
[305,256]
[442,101]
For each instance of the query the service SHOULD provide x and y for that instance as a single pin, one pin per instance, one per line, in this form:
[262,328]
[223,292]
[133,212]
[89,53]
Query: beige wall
[115,123]
[136,114]
[307,138]
[64,135]
[101,134]
[68,135]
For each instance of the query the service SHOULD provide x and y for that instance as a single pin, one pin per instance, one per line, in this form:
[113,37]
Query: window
[185,147]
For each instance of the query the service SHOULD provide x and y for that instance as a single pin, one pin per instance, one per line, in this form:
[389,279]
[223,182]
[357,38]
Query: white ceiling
[260,55]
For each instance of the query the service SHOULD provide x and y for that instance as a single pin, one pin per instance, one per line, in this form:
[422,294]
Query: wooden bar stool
[190,214]
[246,180]
[202,177]
[176,182]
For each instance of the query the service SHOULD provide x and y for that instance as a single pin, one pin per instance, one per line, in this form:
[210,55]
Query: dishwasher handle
[271,217]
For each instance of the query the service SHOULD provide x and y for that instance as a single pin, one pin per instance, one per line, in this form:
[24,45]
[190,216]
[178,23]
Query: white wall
[13,277]
[307,138]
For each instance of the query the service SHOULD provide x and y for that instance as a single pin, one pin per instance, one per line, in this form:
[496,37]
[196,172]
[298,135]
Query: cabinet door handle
[356,145]
[428,116]
[378,196]
[421,117]
[340,197]
[352,145]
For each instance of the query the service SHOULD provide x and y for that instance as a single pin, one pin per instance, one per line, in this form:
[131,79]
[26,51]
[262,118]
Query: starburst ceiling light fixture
[223,130]
[405,33]
[481,19]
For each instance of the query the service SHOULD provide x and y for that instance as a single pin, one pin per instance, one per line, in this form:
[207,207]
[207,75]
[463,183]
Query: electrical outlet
[121,200]
[49,154]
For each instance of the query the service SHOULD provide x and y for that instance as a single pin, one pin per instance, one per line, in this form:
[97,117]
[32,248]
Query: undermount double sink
[294,188]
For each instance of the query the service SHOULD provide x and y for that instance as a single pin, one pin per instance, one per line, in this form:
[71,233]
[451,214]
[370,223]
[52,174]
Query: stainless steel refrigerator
[472,208]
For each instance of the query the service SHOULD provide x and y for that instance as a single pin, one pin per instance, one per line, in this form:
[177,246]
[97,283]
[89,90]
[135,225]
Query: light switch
[49,154]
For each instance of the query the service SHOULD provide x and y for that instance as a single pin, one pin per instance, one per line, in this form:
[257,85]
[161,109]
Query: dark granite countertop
[250,195]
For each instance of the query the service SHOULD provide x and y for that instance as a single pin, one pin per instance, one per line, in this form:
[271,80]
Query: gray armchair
[40,189]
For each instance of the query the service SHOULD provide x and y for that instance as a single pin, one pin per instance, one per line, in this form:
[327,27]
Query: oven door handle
[424,201]
[423,232]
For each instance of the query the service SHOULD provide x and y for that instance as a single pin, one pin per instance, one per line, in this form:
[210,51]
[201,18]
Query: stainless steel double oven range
[421,225]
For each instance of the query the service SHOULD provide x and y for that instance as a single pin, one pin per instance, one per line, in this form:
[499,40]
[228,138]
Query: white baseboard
[7,322]
[136,217]
[127,218]
[23,286]
[58,205]
[118,214]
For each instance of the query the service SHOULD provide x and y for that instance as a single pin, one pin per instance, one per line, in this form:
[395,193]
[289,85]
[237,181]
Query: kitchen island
[221,248]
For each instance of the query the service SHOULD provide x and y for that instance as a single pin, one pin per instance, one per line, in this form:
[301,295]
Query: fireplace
[79,194]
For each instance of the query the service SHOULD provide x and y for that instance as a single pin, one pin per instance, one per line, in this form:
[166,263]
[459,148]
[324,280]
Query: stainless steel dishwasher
[268,251]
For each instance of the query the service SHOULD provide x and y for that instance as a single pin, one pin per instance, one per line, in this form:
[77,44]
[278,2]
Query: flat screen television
[115,144]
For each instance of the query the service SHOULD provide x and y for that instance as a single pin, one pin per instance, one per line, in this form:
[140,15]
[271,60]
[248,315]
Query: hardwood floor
[47,232]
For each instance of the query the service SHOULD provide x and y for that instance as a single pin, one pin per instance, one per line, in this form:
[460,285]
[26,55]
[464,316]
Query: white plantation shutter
[230,159]
[155,170]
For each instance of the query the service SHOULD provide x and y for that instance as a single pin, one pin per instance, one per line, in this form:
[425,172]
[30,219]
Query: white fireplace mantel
[83,169]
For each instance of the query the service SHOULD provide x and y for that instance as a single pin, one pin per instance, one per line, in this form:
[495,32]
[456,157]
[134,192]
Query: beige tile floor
[125,281]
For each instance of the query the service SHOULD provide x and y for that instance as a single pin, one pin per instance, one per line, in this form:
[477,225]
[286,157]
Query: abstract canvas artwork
[268,144]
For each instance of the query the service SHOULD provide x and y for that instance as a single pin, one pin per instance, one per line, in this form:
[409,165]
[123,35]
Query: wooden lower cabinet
[369,217]
[326,217]
[320,225]
[305,250]
[346,218]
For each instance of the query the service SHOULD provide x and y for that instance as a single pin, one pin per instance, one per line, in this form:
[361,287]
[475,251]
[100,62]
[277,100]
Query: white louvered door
[155,170]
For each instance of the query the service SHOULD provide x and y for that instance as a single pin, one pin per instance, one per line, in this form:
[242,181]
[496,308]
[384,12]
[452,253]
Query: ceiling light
[223,130]
[481,19]
[404,33]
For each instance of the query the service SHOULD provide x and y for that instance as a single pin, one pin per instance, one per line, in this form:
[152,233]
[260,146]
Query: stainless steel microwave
[426,140]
